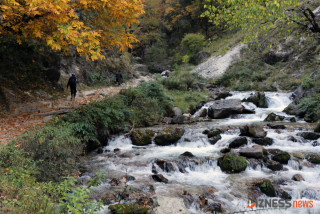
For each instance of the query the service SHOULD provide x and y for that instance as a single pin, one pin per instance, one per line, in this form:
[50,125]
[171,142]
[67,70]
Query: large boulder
[253,131]
[279,155]
[252,152]
[263,141]
[166,205]
[225,108]
[237,142]
[310,135]
[168,136]
[177,111]
[259,99]
[297,177]
[273,117]
[232,163]
[142,137]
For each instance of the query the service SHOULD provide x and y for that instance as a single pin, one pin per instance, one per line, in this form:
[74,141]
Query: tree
[257,17]
[86,25]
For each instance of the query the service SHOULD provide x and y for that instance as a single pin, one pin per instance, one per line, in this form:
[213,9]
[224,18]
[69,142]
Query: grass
[185,99]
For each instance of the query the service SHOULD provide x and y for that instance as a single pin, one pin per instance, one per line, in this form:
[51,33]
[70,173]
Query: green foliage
[180,80]
[307,83]
[54,150]
[193,42]
[97,179]
[128,209]
[254,17]
[310,108]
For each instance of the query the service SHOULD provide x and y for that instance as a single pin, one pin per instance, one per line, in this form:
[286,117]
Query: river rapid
[202,176]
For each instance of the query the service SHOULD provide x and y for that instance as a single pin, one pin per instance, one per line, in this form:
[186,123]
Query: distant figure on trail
[119,77]
[73,85]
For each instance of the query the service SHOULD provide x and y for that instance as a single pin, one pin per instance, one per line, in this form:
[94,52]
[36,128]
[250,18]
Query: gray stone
[225,108]
[237,142]
[253,131]
[252,152]
[297,177]
[168,205]
[177,111]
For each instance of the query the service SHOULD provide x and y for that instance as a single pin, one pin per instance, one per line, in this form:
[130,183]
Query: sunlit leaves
[61,24]
[254,16]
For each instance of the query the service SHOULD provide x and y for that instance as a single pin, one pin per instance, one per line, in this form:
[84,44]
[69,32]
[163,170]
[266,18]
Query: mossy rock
[212,132]
[169,136]
[273,117]
[128,209]
[263,141]
[225,150]
[280,156]
[267,188]
[232,163]
[259,99]
[314,158]
[142,138]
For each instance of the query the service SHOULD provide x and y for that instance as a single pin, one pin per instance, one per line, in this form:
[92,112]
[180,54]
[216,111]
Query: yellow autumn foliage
[87,25]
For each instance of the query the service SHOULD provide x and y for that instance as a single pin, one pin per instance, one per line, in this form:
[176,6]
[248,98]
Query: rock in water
[253,131]
[252,152]
[279,156]
[232,163]
[310,135]
[187,154]
[237,142]
[273,117]
[225,108]
[274,165]
[263,141]
[168,205]
[313,158]
[317,129]
[142,138]
[169,136]
[297,177]
[267,188]
[128,208]
[259,99]
[160,178]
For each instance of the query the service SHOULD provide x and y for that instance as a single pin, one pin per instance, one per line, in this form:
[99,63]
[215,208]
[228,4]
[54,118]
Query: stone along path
[31,115]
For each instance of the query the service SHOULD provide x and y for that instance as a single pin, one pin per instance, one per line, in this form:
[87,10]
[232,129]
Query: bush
[180,80]
[310,108]
[193,42]
[53,149]
[307,83]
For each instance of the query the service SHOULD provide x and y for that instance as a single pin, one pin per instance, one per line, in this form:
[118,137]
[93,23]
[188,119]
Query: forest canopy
[88,26]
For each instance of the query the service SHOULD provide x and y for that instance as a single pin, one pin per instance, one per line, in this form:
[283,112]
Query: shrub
[180,80]
[53,149]
[307,83]
[310,108]
[193,42]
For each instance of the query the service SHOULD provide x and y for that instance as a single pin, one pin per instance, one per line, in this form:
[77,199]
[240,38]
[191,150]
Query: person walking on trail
[119,77]
[73,85]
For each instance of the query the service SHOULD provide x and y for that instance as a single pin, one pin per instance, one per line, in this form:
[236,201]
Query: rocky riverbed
[247,153]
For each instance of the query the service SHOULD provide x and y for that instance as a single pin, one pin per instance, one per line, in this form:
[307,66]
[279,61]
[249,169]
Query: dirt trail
[29,115]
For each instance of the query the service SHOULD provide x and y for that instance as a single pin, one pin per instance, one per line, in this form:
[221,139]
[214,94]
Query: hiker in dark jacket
[73,85]
[119,77]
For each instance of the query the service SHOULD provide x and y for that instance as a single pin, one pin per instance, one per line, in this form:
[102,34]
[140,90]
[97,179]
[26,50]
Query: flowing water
[231,190]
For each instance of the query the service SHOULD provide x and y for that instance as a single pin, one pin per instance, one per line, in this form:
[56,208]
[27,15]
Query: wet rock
[160,178]
[187,154]
[291,109]
[182,119]
[166,166]
[274,165]
[267,188]
[100,150]
[225,108]
[128,208]
[114,182]
[297,177]
[168,136]
[259,99]
[177,111]
[203,113]
[142,137]
[225,150]
[313,158]
[272,126]
[273,117]
[279,155]
[315,143]
[214,208]
[253,131]
[232,163]
[116,150]
[212,132]
[237,142]
[291,138]
[317,129]
[221,95]
[283,194]
[310,135]
[290,119]
[130,178]
[214,140]
[263,141]
[248,111]
[166,205]
[252,152]
[254,163]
